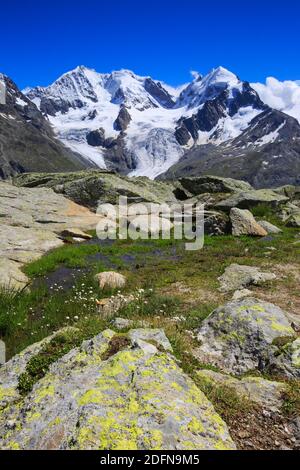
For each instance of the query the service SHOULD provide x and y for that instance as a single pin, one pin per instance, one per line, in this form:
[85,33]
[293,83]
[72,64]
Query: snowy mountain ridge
[140,126]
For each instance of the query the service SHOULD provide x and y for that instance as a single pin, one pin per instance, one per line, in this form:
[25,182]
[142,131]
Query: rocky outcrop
[246,335]
[34,221]
[216,223]
[159,93]
[76,233]
[113,394]
[249,199]
[243,223]
[15,367]
[98,186]
[288,362]
[182,135]
[266,393]
[147,226]
[213,184]
[237,276]
[294,221]
[96,138]
[123,120]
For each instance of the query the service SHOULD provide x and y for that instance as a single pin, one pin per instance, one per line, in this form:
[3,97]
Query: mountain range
[216,124]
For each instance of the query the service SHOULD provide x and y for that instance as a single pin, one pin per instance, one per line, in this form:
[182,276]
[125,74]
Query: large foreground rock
[243,223]
[237,276]
[245,335]
[33,221]
[101,398]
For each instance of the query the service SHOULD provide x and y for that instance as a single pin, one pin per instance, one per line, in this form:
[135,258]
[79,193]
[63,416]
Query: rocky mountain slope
[27,141]
[217,124]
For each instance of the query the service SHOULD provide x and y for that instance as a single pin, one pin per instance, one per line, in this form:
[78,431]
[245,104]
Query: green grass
[28,316]
[291,399]
[226,401]
[71,256]
[150,304]
[263,210]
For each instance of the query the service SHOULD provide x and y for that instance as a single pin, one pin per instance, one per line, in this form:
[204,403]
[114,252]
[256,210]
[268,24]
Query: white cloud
[284,96]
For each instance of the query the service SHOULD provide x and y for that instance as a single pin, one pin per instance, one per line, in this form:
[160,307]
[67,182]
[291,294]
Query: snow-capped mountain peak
[208,87]
[141,126]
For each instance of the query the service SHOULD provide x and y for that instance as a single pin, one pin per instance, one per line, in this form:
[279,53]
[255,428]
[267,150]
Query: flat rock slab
[266,393]
[238,276]
[248,199]
[246,335]
[136,398]
[213,184]
[32,221]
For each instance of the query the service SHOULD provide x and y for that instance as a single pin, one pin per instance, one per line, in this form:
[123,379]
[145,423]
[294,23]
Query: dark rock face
[51,107]
[157,91]
[118,157]
[27,142]
[205,120]
[213,110]
[266,153]
[267,122]
[182,135]
[123,120]
[96,138]
[248,97]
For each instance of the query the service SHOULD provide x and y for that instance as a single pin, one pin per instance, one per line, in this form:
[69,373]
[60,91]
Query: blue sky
[165,39]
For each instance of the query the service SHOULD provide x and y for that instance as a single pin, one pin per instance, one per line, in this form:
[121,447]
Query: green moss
[39,364]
